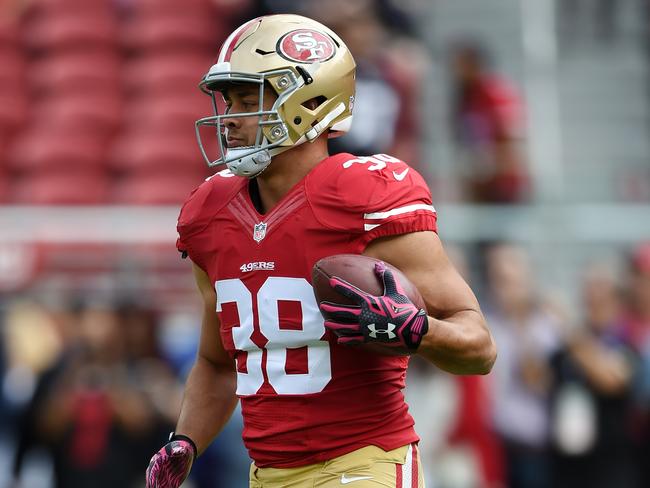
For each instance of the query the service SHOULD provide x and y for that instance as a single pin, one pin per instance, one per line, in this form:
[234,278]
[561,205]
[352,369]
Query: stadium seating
[100,115]
[72,32]
[4,184]
[13,112]
[72,188]
[175,110]
[9,32]
[153,189]
[166,73]
[148,151]
[53,150]
[98,99]
[163,32]
[71,7]
[93,72]
[12,74]
[194,7]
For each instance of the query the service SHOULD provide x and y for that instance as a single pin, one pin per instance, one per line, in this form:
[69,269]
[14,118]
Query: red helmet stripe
[229,46]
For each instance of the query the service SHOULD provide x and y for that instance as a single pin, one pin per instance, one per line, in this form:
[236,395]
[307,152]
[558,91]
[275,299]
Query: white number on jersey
[280,340]
[378,161]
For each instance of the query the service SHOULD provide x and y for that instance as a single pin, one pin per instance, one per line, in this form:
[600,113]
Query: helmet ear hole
[297,120]
[315,102]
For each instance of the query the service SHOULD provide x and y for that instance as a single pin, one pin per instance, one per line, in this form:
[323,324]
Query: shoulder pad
[206,200]
[350,187]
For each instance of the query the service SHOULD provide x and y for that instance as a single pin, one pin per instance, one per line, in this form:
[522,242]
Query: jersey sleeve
[372,197]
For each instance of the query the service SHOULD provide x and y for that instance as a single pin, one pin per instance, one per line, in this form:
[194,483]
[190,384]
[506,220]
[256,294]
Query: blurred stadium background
[529,119]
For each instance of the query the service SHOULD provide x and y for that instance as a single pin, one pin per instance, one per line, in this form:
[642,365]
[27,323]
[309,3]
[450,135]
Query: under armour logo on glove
[170,466]
[391,319]
[373,331]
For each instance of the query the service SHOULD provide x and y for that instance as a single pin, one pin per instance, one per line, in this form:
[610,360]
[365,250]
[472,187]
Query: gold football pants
[368,467]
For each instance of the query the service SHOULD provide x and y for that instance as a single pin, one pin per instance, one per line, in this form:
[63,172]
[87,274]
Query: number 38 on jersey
[279,340]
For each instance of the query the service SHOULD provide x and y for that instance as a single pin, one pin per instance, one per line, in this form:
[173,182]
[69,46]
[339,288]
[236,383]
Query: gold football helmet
[301,60]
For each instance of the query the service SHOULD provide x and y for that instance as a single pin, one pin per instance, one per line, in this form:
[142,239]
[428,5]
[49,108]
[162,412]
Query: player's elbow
[487,358]
[480,348]
[481,353]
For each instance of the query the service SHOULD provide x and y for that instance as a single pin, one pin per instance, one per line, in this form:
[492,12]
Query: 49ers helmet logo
[306,46]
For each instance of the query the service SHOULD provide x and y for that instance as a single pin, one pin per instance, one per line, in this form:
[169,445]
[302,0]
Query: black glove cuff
[173,436]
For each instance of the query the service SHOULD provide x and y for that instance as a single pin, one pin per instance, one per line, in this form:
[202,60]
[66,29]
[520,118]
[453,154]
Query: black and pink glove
[170,466]
[391,319]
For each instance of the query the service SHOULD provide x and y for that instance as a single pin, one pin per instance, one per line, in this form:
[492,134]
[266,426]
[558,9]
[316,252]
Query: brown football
[359,270]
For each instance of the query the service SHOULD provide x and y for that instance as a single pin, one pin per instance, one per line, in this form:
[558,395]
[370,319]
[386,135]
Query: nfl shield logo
[259,231]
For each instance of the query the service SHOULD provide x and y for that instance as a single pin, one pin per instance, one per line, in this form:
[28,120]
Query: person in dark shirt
[592,395]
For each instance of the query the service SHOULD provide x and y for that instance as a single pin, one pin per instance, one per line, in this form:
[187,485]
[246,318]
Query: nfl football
[359,270]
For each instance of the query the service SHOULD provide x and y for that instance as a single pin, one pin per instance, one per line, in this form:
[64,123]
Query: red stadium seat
[12,71]
[9,31]
[229,10]
[49,7]
[233,9]
[175,111]
[71,31]
[74,73]
[13,112]
[4,187]
[53,150]
[149,7]
[78,112]
[164,74]
[154,189]
[164,33]
[72,188]
[147,152]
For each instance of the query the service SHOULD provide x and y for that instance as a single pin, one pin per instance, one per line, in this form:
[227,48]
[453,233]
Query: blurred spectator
[636,323]
[470,434]
[487,121]
[527,335]
[102,404]
[637,316]
[389,75]
[592,395]
[226,461]
[149,373]
[26,358]
[4,408]
[472,431]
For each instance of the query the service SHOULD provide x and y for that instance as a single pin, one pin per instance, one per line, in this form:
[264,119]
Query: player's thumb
[387,277]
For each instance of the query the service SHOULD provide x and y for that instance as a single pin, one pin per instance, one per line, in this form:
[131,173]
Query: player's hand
[170,466]
[391,319]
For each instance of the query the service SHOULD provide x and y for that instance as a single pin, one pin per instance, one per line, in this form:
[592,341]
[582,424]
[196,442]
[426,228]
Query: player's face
[242,131]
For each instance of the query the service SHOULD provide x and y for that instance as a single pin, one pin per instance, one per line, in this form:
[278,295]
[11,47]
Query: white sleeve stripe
[368,227]
[399,211]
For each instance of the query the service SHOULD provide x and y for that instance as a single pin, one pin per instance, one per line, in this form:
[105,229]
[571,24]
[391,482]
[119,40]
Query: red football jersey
[304,398]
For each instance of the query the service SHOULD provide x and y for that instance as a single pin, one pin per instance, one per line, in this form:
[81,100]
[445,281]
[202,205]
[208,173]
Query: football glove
[170,466]
[391,319]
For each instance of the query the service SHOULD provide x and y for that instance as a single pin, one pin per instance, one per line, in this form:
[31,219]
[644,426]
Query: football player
[317,411]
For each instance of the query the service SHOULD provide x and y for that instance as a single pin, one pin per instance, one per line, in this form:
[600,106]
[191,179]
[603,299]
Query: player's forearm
[459,344]
[208,402]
